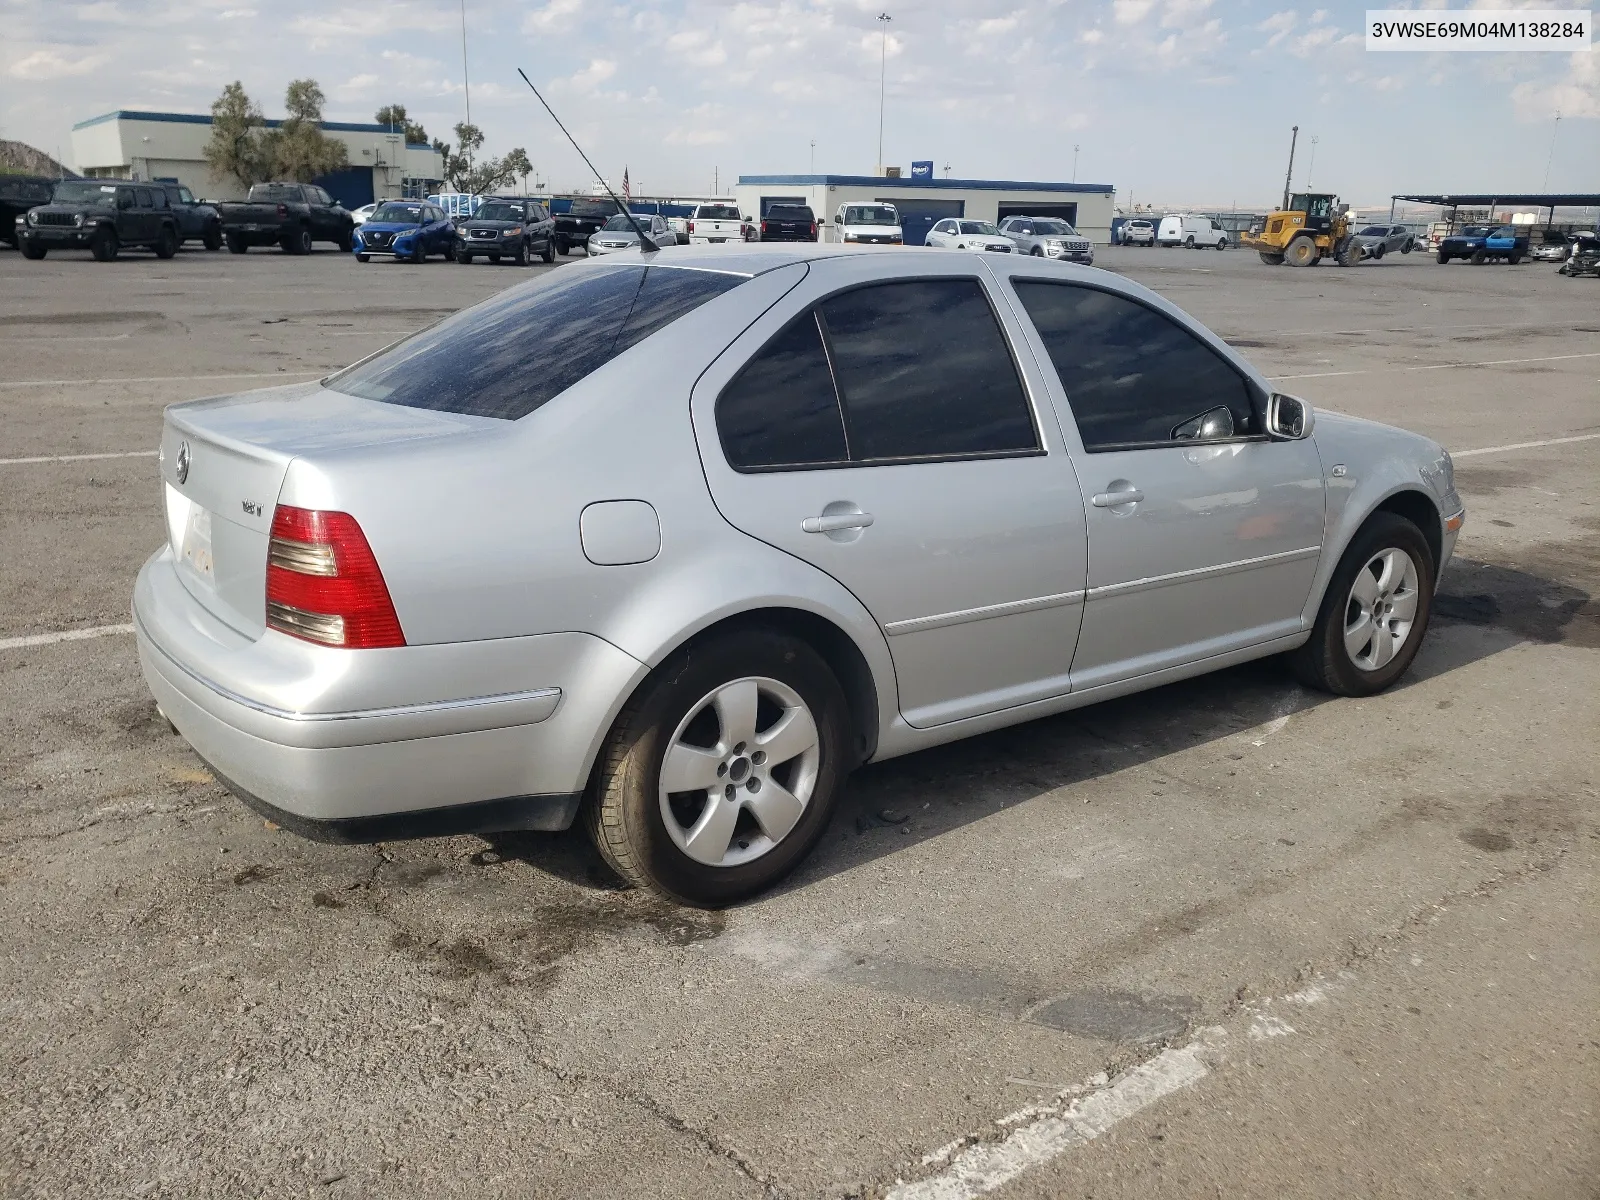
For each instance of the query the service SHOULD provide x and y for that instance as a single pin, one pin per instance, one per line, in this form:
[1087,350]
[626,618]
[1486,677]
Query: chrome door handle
[1117,499]
[836,521]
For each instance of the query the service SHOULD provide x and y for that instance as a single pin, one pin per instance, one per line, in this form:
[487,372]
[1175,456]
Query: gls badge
[182,463]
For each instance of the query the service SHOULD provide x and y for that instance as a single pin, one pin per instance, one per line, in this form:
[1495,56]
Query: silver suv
[1048,237]
[671,543]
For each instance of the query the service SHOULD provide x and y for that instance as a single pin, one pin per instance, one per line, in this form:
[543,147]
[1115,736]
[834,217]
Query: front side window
[1134,377]
[980,228]
[915,369]
[185,195]
[514,352]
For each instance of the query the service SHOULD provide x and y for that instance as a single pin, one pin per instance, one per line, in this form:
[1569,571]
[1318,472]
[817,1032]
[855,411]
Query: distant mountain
[22,159]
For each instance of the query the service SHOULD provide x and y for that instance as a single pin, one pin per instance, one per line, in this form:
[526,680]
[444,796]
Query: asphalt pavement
[1226,938]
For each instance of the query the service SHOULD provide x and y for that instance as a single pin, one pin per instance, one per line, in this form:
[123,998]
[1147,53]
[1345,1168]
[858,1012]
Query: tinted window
[144,196]
[781,410]
[276,193]
[512,353]
[717,212]
[159,196]
[923,370]
[185,195]
[789,212]
[1131,375]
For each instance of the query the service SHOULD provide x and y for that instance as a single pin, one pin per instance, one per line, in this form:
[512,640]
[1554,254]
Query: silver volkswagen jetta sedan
[552,559]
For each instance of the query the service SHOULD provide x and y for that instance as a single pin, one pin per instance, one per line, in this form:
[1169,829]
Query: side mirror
[836,218]
[1289,418]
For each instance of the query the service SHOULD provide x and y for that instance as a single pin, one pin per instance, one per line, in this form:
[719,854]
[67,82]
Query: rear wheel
[1514,259]
[1188,242]
[1271,257]
[1374,612]
[562,247]
[236,243]
[167,244]
[1301,252]
[297,241]
[104,245]
[347,240]
[720,775]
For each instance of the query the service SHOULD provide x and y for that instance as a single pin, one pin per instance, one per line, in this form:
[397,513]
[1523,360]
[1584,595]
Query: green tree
[394,116]
[238,148]
[517,166]
[298,148]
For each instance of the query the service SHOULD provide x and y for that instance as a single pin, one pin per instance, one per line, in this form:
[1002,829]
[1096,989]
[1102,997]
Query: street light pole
[1074,164]
[466,88]
[1311,163]
[883,60]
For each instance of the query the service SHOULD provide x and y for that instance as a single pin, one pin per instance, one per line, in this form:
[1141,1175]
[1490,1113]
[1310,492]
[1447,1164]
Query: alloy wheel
[739,771]
[1381,609]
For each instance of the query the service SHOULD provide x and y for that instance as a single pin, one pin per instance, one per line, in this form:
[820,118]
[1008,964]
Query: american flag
[627,189]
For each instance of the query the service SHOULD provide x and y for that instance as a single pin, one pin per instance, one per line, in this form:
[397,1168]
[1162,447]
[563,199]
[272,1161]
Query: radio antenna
[644,238]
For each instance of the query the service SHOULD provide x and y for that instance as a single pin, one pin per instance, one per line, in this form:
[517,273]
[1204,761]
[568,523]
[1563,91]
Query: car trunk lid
[223,463]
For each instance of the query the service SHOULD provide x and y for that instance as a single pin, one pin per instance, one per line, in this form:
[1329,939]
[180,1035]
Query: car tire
[463,258]
[1443,258]
[167,244]
[347,241]
[1271,258]
[1377,254]
[1222,243]
[212,240]
[521,256]
[1036,252]
[297,241]
[562,248]
[104,245]
[1408,247]
[1301,252]
[1514,259]
[548,254]
[1479,258]
[1388,567]
[236,243]
[420,254]
[494,258]
[363,258]
[35,253]
[1188,242]
[765,683]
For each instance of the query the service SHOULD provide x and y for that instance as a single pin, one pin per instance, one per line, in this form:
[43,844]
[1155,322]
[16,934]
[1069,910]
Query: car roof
[746,258]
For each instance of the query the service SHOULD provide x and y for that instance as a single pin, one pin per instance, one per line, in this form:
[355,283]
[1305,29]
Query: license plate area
[189,532]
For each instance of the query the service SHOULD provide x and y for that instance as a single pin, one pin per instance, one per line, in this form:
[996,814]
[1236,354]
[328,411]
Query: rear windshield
[275,191]
[592,208]
[515,351]
[716,212]
[789,212]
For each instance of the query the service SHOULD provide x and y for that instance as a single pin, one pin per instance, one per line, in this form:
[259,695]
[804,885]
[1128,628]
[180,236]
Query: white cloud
[1131,12]
[555,17]
[55,64]
[1279,25]
[1577,96]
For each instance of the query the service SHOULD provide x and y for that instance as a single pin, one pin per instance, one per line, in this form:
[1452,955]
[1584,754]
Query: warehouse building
[922,199]
[171,146]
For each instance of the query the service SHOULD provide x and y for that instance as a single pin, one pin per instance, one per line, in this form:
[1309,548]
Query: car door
[1204,536]
[879,424]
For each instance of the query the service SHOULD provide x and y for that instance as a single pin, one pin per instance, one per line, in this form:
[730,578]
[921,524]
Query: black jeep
[101,216]
[19,193]
[197,220]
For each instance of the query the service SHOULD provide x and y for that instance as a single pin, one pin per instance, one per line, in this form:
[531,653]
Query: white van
[868,223]
[1183,230]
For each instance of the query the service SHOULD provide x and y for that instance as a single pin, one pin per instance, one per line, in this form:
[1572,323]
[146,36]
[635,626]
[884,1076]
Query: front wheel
[104,245]
[212,240]
[562,248]
[30,251]
[1374,613]
[720,775]
[521,256]
[547,255]
[1377,254]
[463,258]
[347,241]
[1479,258]
[1443,258]
[1302,252]
[1407,248]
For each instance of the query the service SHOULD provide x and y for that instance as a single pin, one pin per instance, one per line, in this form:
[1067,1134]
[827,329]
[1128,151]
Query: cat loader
[1312,227]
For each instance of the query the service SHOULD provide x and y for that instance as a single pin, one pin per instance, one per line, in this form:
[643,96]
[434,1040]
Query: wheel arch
[1408,500]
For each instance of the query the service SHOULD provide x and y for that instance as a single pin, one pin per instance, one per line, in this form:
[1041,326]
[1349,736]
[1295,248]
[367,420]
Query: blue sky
[1177,101]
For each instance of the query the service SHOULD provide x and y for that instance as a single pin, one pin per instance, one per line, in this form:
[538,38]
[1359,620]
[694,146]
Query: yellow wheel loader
[1312,227]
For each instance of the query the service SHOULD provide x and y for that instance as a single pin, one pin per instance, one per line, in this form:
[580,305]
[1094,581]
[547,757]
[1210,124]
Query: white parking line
[1560,441]
[50,458]
[1497,362]
[66,635]
[287,378]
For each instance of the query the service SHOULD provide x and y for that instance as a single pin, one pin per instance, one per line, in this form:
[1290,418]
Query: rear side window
[1133,377]
[516,351]
[891,372]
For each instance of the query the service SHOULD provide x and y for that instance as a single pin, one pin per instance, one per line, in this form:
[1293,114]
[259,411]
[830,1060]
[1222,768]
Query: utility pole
[1294,136]
[1552,156]
[883,61]
[1311,163]
[466,87]
[1074,164]
[813,170]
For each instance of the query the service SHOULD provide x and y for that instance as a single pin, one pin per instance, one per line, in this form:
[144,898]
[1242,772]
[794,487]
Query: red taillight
[813,229]
[283,210]
[323,583]
[691,226]
[763,227]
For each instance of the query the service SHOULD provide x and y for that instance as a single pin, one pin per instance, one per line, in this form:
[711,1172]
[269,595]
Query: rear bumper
[358,744]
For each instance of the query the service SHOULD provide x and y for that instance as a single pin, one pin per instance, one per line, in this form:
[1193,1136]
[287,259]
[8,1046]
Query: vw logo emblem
[182,463]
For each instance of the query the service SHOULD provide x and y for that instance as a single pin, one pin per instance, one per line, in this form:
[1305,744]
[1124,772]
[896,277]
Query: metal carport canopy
[1534,199]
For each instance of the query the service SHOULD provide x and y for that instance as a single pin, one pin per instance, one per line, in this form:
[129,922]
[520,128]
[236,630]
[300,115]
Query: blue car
[409,230]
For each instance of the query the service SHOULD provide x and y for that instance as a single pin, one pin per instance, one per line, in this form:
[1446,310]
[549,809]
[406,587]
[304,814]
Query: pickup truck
[582,221]
[715,223]
[291,215]
[1480,243]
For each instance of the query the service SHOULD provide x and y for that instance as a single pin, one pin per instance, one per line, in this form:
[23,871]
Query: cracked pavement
[195,1003]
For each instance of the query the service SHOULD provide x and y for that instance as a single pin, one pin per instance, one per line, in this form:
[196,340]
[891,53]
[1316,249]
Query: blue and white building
[922,201]
[171,146]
